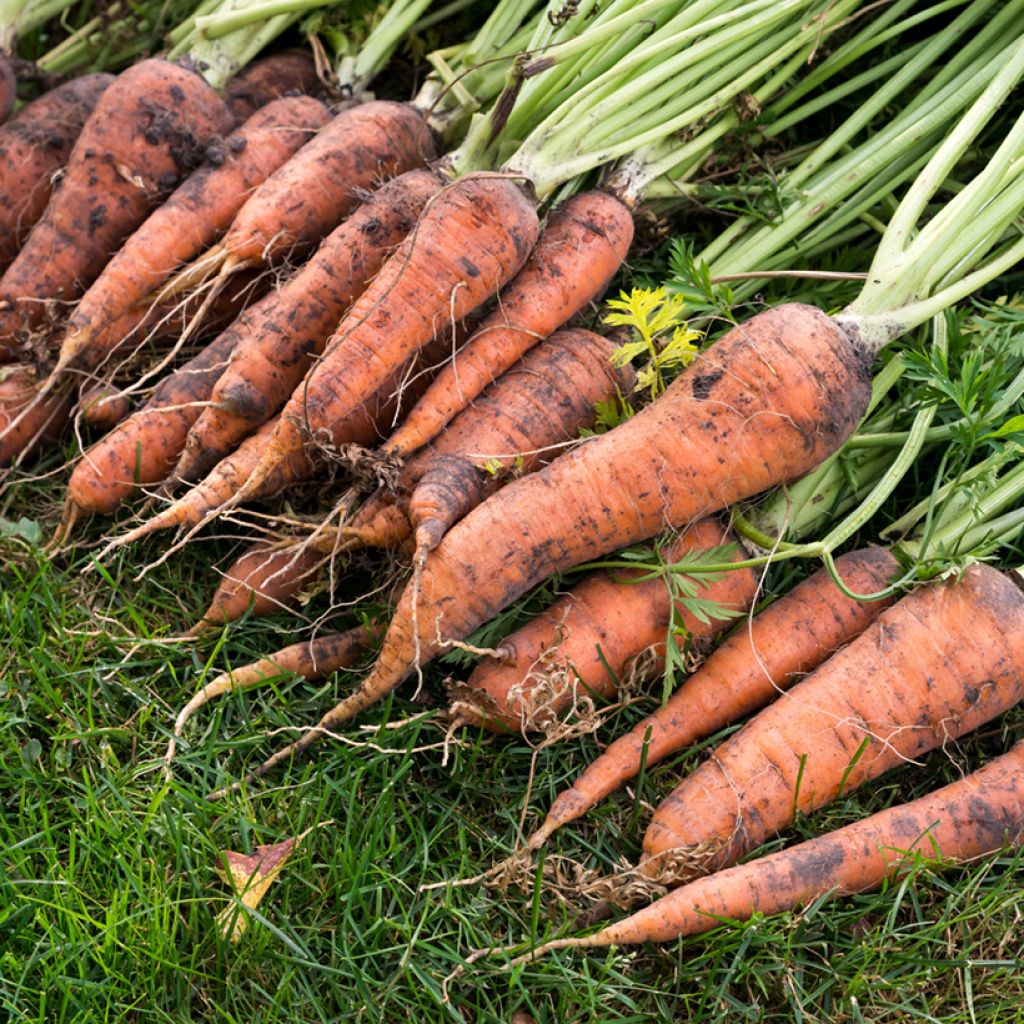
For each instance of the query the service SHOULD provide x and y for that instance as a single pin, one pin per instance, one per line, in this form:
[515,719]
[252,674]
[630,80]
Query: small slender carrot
[933,667]
[279,338]
[765,404]
[148,130]
[188,221]
[583,243]
[586,641]
[751,668]
[471,239]
[103,406]
[34,146]
[259,83]
[973,817]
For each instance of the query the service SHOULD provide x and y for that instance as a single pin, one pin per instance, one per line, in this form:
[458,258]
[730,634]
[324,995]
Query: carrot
[975,816]
[311,659]
[103,406]
[33,147]
[281,74]
[581,247]
[19,390]
[8,89]
[587,640]
[355,151]
[765,404]
[190,219]
[279,337]
[750,669]
[471,239]
[934,666]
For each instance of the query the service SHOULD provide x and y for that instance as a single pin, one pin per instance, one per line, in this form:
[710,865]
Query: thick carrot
[587,640]
[19,390]
[583,243]
[311,659]
[33,147]
[765,404]
[931,668]
[8,89]
[190,219]
[977,815]
[268,79]
[472,238]
[750,669]
[149,129]
[280,336]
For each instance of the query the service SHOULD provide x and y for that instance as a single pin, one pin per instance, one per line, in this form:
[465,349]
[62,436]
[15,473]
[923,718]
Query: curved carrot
[750,669]
[977,815]
[934,666]
[189,220]
[280,336]
[8,89]
[268,79]
[588,638]
[149,129]
[19,391]
[583,243]
[765,404]
[33,147]
[471,239]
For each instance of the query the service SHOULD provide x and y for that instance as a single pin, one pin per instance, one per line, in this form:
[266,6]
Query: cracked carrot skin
[973,817]
[149,129]
[268,79]
[190,219]
[34,146]
[589,636]
[582,246]
[280,337]
[933,667]
[763,657]
[768,402]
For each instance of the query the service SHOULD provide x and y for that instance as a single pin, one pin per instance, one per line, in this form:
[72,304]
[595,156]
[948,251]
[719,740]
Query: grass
[108,891]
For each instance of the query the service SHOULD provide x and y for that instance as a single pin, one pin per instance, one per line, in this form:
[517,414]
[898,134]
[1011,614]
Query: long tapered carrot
[280,336]
[33,147]
[790,637]
[585,642]
[268,79]
[934,666]
[149,129]
[471,239]
[975,816]
[765,404]
[190,219]
[583,243]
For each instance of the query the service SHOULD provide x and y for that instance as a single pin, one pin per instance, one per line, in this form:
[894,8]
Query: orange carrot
[750,669]
[19,390]
[581,247]
[259,83]
[472,238]
[765,404]
[970,818]
[279,338]
[149,129]
[33,147]
[586,641]
[103,406]
[190,219]
[931,668]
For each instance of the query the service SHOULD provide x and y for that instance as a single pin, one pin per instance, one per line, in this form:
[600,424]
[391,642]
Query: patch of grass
[107,883]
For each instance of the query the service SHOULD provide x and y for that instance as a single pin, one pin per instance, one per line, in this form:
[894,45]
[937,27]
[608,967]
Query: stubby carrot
[791,637]
[583,243]
[973,817]
[259,83]
[765,404]
[150,128]
[934,666]
[34,146]
[191,218]
[279,338]
[586,641]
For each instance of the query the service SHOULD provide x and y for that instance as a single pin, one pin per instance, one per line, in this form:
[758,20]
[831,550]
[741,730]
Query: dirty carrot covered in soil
[975,816]
[270,78]
[724,430]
